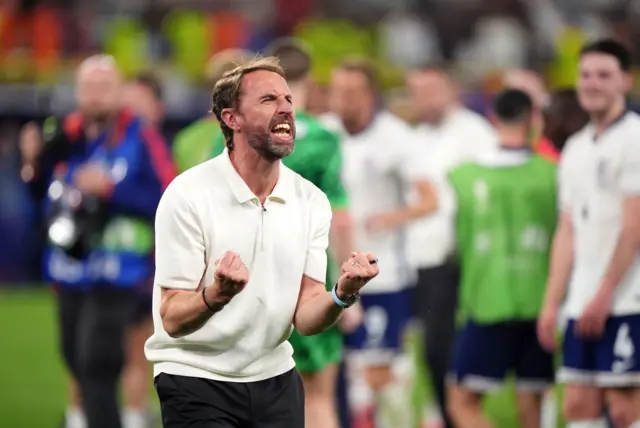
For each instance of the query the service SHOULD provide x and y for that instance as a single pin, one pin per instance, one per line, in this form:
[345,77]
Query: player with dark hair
[595,252]
[505,215]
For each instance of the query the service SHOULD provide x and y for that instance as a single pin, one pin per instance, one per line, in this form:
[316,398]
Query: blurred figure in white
[380,166]
[451,134]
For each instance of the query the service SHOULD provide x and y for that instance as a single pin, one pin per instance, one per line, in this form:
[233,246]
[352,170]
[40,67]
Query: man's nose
[284,106]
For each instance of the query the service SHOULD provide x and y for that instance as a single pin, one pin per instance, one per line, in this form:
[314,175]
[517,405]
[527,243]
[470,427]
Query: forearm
[184,311]
[561,265]
[623,258]
[317,314]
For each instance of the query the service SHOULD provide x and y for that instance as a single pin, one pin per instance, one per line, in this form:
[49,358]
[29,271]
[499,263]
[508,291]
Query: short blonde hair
[226,91]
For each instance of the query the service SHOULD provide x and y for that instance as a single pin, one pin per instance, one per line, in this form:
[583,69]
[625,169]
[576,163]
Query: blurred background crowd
[42,41]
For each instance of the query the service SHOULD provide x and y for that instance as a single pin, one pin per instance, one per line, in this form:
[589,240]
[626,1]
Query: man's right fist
[231,276]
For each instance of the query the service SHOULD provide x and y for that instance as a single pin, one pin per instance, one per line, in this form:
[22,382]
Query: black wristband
[204,299]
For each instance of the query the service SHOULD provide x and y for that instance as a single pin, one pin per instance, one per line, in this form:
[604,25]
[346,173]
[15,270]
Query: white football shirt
[462,137]
[380,165]
[207,211]
[595,176]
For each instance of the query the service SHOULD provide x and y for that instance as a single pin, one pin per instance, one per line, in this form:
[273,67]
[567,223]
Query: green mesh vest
[505,222]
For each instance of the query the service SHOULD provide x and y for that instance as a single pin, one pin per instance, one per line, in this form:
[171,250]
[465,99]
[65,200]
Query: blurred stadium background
[42,40]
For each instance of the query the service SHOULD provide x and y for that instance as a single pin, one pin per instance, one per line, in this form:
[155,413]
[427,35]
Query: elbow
[172,329]
[307,331]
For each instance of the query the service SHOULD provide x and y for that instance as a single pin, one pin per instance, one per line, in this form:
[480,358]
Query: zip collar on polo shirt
[282,192]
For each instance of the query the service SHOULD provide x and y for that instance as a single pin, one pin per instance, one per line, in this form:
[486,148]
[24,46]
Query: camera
[76,220]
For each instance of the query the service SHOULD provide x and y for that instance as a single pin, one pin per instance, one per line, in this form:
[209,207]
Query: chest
[369,168]
[271,240]
[596,171]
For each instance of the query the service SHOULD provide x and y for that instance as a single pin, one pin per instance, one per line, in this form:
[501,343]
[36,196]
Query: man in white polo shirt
[596,249]
[241,246]
[451,134]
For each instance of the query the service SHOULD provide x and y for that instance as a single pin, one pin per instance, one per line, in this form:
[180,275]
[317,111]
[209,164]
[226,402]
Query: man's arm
[180,266]
[408,166]
[561,263]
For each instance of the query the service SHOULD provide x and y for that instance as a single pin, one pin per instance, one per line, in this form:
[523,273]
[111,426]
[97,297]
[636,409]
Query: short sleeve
[630,174]
[180,250]
[316,261]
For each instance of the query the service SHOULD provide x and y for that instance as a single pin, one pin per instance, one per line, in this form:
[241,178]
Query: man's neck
[96,126]
[513,139]
[606,119]
[361,123]
[446,114]
[260,175]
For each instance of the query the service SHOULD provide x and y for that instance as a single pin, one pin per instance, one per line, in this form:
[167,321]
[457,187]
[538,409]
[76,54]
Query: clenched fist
[356,272]
[231,277]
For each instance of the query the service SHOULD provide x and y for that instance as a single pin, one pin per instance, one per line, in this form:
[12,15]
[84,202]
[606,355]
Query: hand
[30,147]
[594,317]
[231,276]
[351,319]
[547,327]
[380,222]
[355,273]
[30,143]
[93,179]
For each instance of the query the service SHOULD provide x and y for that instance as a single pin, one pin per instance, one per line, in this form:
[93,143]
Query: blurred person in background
[144,96]
[194,144]
[381,164]
[101,173]
[450,134]
[533,84]
[563,117]
[317,158]
[505,216]
[595,249]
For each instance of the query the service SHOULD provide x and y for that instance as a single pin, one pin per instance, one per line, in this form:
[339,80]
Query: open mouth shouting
[283,131]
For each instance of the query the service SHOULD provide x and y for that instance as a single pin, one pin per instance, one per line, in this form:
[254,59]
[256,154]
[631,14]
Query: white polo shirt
[208,210]
[462,137]
[594,178]
[380,165]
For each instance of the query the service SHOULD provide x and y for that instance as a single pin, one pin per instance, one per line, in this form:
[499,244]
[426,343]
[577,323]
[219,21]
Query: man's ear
[230,119]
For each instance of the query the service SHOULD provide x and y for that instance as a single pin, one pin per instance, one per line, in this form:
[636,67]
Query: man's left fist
[355,273]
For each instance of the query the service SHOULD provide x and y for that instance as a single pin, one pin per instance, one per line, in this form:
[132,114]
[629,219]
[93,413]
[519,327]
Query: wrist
[606,287]
[211,299]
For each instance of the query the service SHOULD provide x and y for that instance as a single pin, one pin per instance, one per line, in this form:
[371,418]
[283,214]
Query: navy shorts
[611,361]
[484,354]
[380,337]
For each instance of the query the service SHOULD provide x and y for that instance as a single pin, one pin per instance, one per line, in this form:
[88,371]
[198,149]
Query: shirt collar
[615,122]
[282,192]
